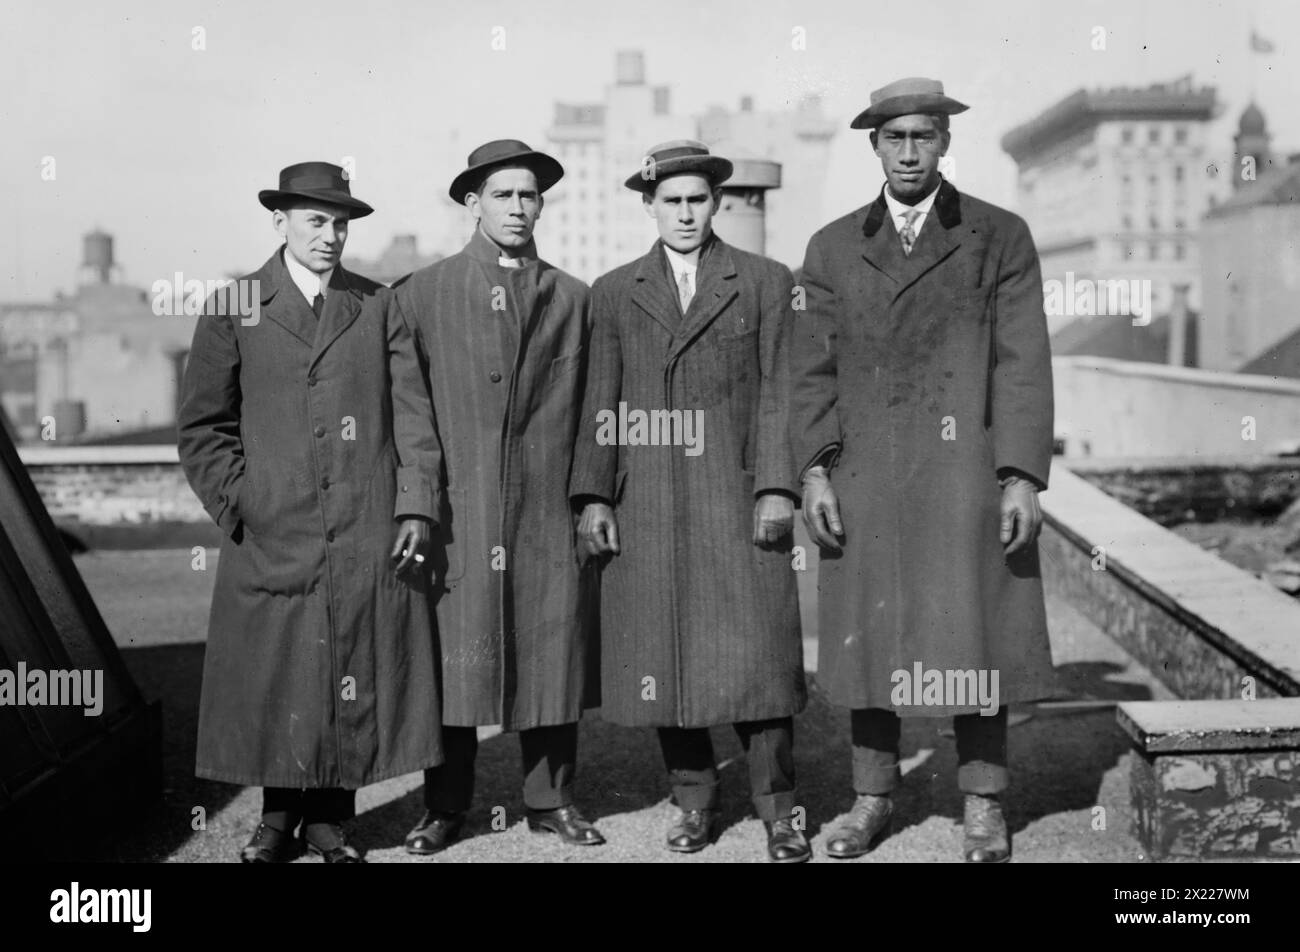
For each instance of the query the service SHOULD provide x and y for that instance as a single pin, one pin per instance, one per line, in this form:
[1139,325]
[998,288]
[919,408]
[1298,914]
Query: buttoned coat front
[504,350]
[930,373]
[307,441]
[698,625]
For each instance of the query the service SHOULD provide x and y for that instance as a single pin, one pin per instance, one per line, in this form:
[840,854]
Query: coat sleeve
[208,441]
[774,468]
[419,451]
[814,418]
[595,464]
[1021,386]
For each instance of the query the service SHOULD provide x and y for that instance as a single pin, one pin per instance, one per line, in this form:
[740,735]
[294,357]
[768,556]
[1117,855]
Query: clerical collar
[309,282]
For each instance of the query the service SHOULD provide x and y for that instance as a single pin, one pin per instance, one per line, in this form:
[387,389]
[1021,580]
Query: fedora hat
[906,97]
[677,157]
[314,180]
[503,153]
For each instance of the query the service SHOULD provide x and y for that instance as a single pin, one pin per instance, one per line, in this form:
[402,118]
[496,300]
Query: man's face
[683,207]
[507,207]
[315,233]
[910,148]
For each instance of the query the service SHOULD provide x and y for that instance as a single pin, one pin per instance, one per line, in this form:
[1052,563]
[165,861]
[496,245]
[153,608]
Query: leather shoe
[330,843]
[269,845]
[568,822]
[785,844]
[435,831]
[987,840]
[694,830]
[868,824]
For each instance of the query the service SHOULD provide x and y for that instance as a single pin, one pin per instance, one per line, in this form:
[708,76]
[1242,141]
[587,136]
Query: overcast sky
[166,146]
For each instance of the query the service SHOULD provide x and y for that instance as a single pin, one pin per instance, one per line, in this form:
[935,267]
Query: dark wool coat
[691,601]
[504,350]
[320,668]
[931,373]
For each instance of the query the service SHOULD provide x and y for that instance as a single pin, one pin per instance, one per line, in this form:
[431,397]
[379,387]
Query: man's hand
[821,508]
[597,530]
[1021,515]
[412,545]
[773,519]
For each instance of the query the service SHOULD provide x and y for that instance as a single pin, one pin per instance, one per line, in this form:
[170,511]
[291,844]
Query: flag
[1258,44]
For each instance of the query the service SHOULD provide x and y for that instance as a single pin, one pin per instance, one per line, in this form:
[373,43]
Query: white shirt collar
[308,282]
[897,209]
[679,263]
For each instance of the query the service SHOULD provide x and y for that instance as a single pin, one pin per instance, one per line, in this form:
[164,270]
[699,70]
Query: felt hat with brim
[314,181]
[678,157]
[501,154]
[906,97]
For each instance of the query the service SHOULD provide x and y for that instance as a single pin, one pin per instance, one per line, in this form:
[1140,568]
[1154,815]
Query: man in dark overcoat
[684,469]
[922,425]
[503,336]
[305,431]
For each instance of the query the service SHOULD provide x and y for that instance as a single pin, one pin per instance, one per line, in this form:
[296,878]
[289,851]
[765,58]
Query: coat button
[325,483]
[329,536]
[319,431]
[494,377]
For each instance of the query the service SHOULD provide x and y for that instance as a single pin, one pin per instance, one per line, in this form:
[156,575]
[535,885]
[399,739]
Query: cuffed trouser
[769,749]
[550,756]
[283,808]
[981,751]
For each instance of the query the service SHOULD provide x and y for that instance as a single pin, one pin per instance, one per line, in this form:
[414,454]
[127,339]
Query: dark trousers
[769,749]
[283,808]
[981,751]
[550,756]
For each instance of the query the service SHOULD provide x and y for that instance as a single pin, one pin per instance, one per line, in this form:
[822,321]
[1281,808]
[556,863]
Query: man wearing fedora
[306,432]
[699,609]
[922,412]
[503,336]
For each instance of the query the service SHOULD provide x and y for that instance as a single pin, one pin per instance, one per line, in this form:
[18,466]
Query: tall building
[1113,184]
[1251,279]
[400,258]
[593,223]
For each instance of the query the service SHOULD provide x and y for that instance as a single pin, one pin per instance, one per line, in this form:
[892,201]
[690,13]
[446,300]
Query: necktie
[908,233]
[318,304]
[684,292]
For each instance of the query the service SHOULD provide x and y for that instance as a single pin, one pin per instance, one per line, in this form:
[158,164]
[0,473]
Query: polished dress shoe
[568,822]
[785,844]
[694,830]
[987,840]
[867,825]
[269,845]
[330,843]
[436,831]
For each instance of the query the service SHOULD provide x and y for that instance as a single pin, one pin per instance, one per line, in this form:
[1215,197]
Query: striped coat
[698,625]
[504,351]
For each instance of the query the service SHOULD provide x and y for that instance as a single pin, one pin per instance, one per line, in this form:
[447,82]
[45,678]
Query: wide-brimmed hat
[906,97]
[504,153]
[678,157]
[314,180]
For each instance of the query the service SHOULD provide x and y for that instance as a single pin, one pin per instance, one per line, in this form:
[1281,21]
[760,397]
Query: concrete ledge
[1216,779]
[1199,624]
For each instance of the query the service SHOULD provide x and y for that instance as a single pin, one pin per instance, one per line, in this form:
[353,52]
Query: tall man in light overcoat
[684,468]
[922,425]
[503,337]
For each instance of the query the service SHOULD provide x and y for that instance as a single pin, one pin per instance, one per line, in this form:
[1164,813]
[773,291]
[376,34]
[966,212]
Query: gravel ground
[1064,762]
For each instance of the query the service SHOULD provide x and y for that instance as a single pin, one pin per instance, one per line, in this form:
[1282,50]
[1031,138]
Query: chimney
[1178,322]
[746,103]
[629,68]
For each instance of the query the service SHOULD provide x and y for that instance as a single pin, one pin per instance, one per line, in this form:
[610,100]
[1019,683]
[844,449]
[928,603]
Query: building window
[1180,135]
[1153,135]
[1126,135]
[1180,251]
[1155,223]
[1153,251]
[1128,222]
[1179,174]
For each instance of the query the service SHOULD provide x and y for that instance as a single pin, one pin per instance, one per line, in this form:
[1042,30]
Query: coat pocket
[563,366]
[451,537]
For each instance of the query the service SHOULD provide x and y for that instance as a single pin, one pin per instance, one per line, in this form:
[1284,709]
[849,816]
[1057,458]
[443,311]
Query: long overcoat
[504,350]
[698,625]
[319,669]
[931,373]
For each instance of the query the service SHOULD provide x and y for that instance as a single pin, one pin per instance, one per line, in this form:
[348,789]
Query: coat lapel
[342,305]
[938,239]
[283,303]
[716,287]
[651,293]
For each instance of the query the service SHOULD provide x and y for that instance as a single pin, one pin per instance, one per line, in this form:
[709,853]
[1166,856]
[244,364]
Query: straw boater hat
[679,157]
[313,180]
[906,97]
[504,153]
